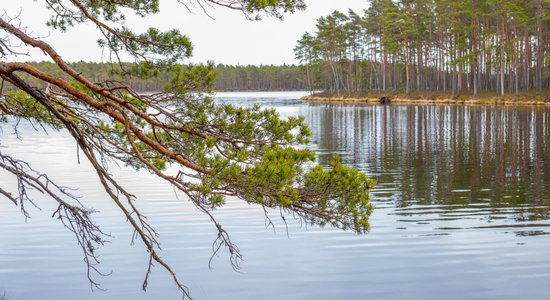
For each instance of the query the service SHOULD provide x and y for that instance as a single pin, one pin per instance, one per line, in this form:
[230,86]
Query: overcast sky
[228,38]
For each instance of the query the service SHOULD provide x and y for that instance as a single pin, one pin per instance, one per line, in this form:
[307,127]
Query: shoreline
[399,100]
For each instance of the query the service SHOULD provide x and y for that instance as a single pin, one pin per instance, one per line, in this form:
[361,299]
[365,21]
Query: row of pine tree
[458,46]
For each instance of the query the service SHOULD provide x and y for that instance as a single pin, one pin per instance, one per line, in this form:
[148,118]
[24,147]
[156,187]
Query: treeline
[260,78]
[455,46]
[228,78]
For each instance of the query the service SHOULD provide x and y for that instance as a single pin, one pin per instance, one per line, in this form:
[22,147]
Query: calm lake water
[462,212]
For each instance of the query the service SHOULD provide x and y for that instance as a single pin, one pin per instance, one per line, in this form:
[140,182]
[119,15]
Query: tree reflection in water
[446,162]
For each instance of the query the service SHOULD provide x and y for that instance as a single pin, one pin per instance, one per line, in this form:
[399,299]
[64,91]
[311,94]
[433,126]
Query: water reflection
[446,162]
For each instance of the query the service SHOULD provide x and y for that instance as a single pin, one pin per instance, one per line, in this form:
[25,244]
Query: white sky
[228,38]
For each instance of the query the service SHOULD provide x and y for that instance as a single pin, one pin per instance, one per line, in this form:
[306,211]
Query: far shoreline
[542,99]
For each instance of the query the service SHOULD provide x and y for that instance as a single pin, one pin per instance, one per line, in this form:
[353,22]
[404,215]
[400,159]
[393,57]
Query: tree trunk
[407,68]
[502,59]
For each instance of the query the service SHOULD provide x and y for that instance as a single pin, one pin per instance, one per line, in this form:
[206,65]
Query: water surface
[462,212]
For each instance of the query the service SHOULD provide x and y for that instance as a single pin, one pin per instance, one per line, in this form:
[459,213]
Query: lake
[462,211]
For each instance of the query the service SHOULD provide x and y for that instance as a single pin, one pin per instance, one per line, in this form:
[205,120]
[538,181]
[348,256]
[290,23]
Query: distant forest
[262,78]
[228,78]
[459,46]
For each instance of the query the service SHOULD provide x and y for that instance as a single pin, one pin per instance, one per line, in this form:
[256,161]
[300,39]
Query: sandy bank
[512,100]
